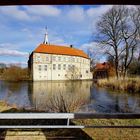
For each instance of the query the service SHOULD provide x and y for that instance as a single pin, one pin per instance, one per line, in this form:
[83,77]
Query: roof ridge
[60,50]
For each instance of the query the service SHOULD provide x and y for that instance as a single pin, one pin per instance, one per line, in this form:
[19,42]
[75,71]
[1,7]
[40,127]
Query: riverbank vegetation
[131,85]
[15,73]
[4,106]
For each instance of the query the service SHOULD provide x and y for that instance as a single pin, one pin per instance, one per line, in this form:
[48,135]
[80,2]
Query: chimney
[71,46]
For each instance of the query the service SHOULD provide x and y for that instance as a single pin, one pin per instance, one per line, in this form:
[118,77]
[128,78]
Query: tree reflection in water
[60,96]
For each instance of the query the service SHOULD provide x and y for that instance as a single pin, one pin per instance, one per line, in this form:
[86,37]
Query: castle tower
[46,37]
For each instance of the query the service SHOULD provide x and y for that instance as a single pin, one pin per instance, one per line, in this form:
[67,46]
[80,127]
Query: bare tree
[73,73]
[118,35]
[65,102]
[110,34]
[129,29]
[135,15]
[15,73]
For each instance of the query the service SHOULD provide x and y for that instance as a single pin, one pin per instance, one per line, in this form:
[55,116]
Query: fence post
[68,121]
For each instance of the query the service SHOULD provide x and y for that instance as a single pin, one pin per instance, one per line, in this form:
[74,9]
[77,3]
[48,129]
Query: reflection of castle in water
[42,90]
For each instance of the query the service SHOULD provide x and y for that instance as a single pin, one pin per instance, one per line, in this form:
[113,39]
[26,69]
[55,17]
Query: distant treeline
[14,73]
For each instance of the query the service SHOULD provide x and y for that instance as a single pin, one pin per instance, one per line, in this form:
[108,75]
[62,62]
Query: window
[54,58]
[77,59]
[81,75]
[39,67]
[69,67]
[86,71]
[58,74]
[59,66]
[64,66]
[54,66]
[59,58]
[73,66]
[73,59]
[38,58]
[64,58]
[45,68]
[47,58]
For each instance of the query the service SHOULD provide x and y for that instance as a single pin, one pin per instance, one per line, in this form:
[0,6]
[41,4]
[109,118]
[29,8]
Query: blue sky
[22,29]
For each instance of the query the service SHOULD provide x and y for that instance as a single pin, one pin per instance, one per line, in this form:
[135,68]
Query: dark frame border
[64,2]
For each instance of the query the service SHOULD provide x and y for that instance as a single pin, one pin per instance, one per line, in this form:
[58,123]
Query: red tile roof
[102,66]
[60,50]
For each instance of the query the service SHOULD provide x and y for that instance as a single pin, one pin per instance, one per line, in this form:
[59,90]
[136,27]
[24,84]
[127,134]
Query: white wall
[83,65]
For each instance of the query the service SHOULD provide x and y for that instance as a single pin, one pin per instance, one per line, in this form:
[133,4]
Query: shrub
[129,84]
[15,73]
[64,102]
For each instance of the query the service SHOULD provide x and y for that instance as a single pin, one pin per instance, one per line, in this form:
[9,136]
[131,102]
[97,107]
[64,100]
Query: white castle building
[54,62]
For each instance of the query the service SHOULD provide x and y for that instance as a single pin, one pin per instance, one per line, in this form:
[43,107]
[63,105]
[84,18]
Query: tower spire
[46,36]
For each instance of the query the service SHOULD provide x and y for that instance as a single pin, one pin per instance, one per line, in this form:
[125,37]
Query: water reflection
[107,101]
[44,91]
[37,95]
[15,93]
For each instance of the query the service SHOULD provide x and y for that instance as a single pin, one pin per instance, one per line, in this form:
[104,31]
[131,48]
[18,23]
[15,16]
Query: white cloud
[96,51]
[15,12]
[59,41]
[43,10]
[95,13]
[29,13]
[98,11]
[131,6]
[16,63]
[9,46]
[76,13]
[7,52]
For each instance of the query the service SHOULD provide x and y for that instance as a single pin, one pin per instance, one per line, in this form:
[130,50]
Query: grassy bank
[4,106]
[131,85]
[79,134]
[111,133]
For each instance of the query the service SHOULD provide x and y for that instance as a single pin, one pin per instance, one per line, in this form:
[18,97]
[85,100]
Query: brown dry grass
[129,84]
[111,133]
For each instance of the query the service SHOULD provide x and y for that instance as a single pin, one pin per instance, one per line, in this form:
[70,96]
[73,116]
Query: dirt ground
[75,134]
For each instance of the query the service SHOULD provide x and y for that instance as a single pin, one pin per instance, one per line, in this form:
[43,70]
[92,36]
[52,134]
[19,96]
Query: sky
[22,29]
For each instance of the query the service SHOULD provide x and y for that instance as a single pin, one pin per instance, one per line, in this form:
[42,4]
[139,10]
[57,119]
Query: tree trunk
[116,71]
